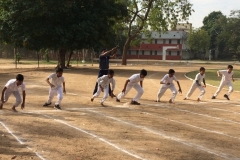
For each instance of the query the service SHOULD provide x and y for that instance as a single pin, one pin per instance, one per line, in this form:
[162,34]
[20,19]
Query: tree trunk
[69,58]
[61,58]
[125,51]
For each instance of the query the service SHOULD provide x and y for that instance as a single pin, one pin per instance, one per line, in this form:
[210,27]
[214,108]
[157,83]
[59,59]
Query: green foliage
[68,25]
[198,41]
[213,79]
[229,37]
[211,25]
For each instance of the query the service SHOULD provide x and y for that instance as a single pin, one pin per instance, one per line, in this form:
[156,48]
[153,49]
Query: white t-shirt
[56,81]
[104,81]
[12,85]
[199,78]
[166,79]
[134,79]
[225,75]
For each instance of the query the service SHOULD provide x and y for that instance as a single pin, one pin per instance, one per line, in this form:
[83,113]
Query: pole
[15,57]
[38,59]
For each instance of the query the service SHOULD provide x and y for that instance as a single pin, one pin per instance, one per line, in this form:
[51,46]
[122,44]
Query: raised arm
[114,54]
[109,51]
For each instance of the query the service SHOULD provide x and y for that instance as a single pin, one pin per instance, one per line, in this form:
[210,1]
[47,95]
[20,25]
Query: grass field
[212,78]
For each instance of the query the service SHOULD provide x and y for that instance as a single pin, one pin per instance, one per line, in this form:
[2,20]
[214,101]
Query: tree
[198,41]
[213,28]
[59,25]
[158,15]
[228,39]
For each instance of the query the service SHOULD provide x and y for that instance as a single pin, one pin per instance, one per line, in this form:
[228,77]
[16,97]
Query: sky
[204,7]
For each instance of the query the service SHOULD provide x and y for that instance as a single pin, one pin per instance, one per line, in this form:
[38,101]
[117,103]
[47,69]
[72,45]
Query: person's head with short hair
[59,72]
[19,79]
[171,72]
[143,73]
[110,73]
[230,68]
[202,70]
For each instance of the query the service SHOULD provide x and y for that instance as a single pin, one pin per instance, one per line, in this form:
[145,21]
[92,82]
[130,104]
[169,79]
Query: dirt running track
[84,130]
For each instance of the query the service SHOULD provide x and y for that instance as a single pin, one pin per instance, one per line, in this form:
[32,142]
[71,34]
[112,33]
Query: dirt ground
[84,130]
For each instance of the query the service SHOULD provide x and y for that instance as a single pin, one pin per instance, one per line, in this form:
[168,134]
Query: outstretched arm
[125,85]
[23,102]
[114,54]
[179,90]
[233,78]
[64,89]
[4,89]
[141,84]
[204,82]
[109,51]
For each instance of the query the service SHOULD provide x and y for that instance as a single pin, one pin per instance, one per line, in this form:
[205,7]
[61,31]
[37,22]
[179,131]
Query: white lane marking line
[204,115]
[165,136]
[211,131]
[209,107]
[9,131]
[73,94]
[95,136]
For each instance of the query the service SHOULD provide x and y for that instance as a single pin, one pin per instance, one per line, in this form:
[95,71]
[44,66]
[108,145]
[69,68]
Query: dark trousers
[100,74]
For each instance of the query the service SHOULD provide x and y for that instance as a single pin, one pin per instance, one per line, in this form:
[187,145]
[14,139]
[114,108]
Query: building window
[129,52]
[178,53]
[170,41]
[178,41]
[150,52]
[155,41]
[155,52]
[137,51]
[142,52]
[169,53]
[164,41]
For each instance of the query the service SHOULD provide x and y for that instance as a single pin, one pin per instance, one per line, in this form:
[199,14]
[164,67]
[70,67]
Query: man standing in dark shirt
[104,65]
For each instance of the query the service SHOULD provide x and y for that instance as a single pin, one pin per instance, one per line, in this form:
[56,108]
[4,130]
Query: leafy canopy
[61,24]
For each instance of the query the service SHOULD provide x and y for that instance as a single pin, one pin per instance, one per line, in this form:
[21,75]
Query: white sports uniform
[133,83]
[104,82]
[199,78]
[58,89]
[12,88]
[226,80]
[166,79]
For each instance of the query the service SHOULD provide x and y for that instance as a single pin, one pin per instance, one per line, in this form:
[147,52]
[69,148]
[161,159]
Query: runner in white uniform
[227,76]
[197,83]
[167,83]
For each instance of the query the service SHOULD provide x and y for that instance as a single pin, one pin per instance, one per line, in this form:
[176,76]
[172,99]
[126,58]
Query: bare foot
[92,99]
[198,100]
[14,110]
[157,101]
[102,104]
[185,99]
[1,105]
[170,101]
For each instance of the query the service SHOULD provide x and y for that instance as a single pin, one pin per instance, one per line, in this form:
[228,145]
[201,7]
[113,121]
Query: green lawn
[212,78]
